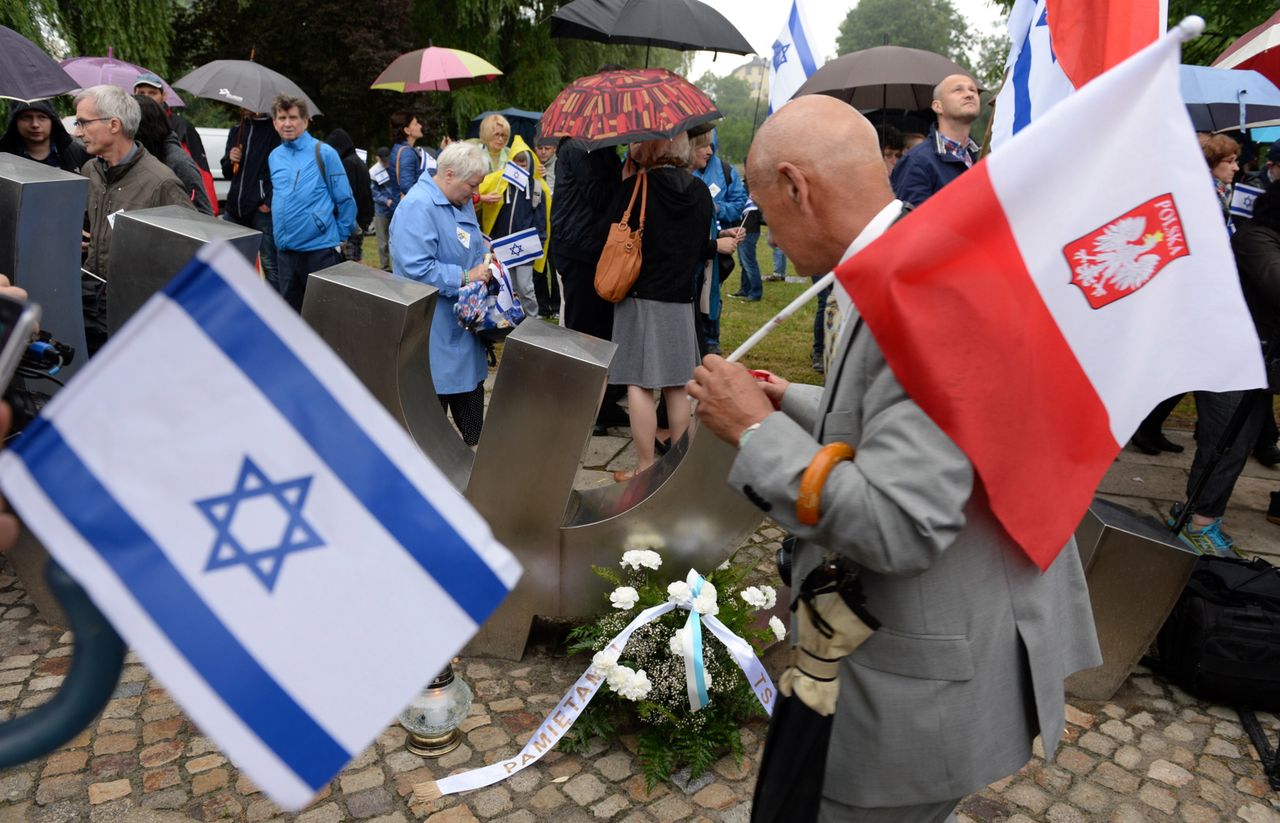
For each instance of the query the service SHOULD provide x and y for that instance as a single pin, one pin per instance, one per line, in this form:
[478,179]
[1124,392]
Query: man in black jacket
[36,133]
[358,177]
[244,163]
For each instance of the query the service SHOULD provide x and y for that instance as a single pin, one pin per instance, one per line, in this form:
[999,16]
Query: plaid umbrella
[625,106]
[26,72]
[109,71]
[435,69]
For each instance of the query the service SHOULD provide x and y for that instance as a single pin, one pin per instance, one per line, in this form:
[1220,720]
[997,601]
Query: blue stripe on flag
[1022,85]
[801,41]
[177,610]
[338,439]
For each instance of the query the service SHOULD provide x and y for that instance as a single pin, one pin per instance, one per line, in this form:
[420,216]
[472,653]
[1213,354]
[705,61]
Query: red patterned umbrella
[625,106]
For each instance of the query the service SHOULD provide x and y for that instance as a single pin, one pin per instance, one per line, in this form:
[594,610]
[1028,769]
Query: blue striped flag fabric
[258,528]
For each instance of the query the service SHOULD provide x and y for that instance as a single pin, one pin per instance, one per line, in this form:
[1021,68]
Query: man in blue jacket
[948,151]
[730,198]
[312,207]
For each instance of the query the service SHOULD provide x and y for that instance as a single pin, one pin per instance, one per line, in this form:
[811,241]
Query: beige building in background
[755,74]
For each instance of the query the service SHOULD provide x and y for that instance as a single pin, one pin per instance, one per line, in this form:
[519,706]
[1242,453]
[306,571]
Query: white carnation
[705,602]
[779,631]
[630,684]
[624,597]
[770,596]
[636,558]
[755,597]
[676,643]
[679,592]
[605,661]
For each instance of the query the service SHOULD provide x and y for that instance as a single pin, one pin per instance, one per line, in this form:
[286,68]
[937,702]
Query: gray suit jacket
[969,664]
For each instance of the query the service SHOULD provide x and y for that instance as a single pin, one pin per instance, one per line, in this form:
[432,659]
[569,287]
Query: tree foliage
[934,25]
[743,113]
[334,54]
[138,30]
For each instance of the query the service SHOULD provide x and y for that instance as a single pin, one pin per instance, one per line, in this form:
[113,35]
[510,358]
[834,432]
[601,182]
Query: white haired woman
[435,239]
[653,326]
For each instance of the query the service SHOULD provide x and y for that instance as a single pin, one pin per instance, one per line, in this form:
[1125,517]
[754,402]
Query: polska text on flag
[1037,312]
[217,512]
[1057,47]
[515,174]
[518,249]
[793,59]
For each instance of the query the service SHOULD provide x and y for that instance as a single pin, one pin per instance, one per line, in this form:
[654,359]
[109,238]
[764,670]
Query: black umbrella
[884,77]
[685,25]
[242,83]
[27,73]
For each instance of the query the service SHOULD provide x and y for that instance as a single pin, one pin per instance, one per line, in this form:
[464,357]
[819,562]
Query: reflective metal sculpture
[522,474]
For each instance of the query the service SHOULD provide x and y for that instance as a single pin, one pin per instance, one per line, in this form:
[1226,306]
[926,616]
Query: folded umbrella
[435,68]
[27,73]
[624,106]
[242,83]
[110,71]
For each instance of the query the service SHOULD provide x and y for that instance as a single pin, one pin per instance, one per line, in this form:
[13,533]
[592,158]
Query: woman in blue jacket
[436,239]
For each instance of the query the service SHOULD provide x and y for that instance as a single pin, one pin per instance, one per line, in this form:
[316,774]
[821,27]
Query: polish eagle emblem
[1122,256]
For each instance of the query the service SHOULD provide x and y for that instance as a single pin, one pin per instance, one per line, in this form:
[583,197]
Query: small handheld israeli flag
[514,174]
[750,205]
[1242,198]
[380,174]
[221,512]
[518,249]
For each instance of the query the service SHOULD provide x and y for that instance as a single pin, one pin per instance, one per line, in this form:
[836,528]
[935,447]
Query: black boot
[1273,511]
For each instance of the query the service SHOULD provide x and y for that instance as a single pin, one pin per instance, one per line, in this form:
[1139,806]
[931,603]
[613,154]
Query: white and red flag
[1039,307]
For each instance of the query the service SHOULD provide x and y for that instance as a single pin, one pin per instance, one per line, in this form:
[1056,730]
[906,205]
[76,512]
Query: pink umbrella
[435,69]
[109,71]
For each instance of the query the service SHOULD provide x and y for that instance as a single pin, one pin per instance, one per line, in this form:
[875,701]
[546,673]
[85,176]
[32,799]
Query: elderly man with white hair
[122,177]
[436,239]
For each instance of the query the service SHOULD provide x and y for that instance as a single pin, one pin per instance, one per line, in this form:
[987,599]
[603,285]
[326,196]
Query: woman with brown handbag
[653,325]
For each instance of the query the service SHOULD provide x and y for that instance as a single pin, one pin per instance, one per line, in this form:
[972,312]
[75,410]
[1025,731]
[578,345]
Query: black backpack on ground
[1222,639]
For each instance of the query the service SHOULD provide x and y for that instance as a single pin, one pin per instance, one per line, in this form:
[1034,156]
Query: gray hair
[464,159]
[114,103]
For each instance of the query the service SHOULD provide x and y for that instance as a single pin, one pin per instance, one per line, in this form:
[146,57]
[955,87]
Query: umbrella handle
[235,166]
[95,669]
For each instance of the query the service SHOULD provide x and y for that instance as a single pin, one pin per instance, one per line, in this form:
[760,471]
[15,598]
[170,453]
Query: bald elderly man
[968,666]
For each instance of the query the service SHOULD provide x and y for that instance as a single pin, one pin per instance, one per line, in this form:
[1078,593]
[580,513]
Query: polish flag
[1041,305]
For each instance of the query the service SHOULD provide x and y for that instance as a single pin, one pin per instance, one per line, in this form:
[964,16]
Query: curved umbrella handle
[97,660]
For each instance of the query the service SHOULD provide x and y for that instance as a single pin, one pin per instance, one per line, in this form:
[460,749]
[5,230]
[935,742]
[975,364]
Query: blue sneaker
[1209,540]
[1176,511]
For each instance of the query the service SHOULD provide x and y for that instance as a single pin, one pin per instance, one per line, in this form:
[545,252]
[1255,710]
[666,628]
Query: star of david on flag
[518,249]
[514,174]
[793,60]
[256,526]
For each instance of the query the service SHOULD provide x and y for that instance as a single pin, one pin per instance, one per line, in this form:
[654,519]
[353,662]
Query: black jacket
[586,183]
[357,175]
[1257,250]
[251,184]
[66,153]
[677,232]
[189,137]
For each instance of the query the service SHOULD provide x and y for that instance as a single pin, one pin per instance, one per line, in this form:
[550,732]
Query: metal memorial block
[41,218]
[521,477]
[150,246]
[1135,569]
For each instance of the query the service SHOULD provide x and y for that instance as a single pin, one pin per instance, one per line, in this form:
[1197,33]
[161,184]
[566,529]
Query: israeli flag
[793,60]
[514,174]
[256,526]
[380,174]
[518,249]
[1242,198]
[750,205]
[1034,81]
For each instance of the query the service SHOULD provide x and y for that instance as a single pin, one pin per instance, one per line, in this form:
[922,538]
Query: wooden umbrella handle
[809,503]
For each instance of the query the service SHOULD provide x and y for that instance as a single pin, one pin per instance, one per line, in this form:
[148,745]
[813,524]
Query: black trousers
[1214,410]
[467,409]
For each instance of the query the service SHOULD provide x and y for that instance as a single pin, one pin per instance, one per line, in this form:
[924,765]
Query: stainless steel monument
[521,477]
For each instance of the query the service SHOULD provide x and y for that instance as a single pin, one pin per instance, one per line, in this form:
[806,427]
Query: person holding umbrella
[244,162]
[36,133]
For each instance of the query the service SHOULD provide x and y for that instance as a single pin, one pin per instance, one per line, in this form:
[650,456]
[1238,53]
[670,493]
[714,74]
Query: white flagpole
[791,308]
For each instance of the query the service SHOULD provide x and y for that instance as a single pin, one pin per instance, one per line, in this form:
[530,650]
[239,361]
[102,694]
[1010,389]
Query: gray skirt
[657,344]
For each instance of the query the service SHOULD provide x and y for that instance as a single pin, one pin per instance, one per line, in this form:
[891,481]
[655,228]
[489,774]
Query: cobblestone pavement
[1150,753]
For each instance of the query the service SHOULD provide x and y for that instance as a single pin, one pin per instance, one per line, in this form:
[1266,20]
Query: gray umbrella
[27,73]
[885,77]
[242,83]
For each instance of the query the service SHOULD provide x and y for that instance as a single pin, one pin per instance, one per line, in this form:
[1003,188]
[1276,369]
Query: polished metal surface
[538,424]
[1135,569]
[150,246]
[41,218]
[380,326]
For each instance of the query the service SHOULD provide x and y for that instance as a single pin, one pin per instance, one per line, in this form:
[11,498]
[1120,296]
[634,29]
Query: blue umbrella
[1221,99]
[523,123]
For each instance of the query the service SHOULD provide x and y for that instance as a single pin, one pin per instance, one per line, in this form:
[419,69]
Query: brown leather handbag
[619,264]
